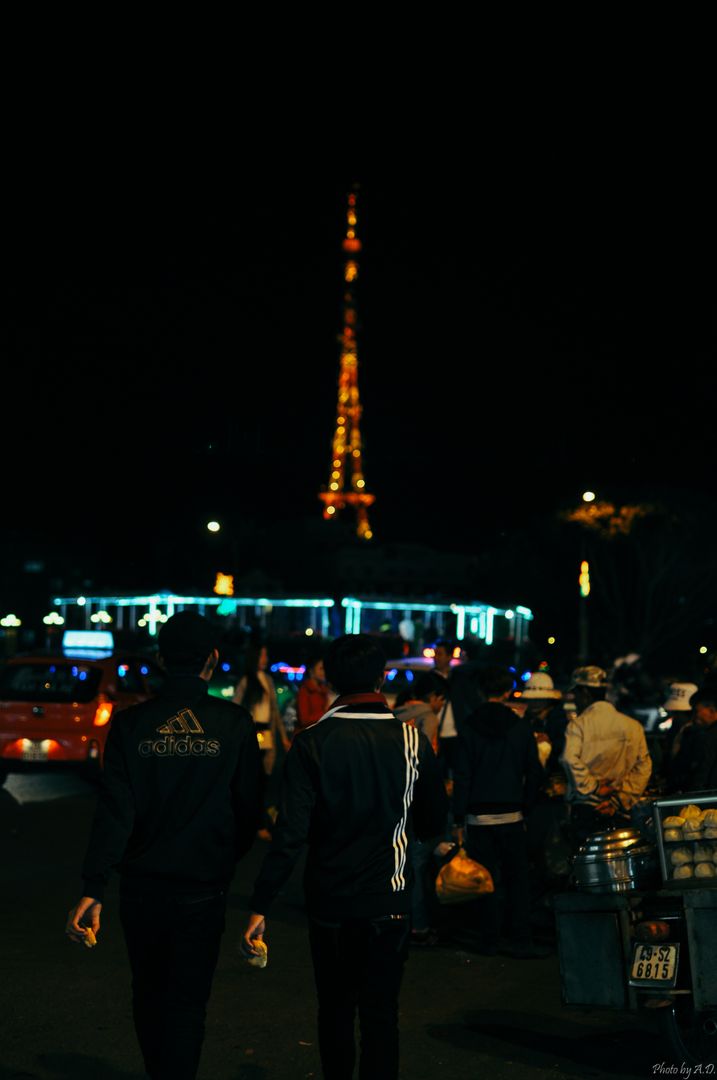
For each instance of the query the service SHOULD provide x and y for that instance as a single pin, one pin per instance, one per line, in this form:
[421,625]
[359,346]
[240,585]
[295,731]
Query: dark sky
[174,353]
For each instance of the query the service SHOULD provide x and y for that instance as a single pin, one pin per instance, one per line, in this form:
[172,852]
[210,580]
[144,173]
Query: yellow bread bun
[673,822]
[259,960]
[683,871]
[705,869]
[709,819]
[690,811]
[680,856]
[672,834]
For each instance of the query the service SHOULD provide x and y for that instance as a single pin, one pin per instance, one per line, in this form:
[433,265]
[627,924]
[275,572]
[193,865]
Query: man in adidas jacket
[180,802]
[358,786]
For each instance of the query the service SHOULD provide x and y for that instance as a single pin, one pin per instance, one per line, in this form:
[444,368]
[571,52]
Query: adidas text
[184,746]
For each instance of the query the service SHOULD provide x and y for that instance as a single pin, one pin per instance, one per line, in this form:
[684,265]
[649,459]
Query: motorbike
[631,937]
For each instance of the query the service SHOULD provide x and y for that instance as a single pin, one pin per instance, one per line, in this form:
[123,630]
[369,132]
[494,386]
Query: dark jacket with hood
[498,770]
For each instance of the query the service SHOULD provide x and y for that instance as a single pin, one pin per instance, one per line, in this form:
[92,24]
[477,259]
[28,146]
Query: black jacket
[694,767]
[181,793]
[357,786]
[497,770]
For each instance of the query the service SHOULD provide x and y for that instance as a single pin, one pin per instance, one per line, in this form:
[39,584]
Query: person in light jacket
[606,760]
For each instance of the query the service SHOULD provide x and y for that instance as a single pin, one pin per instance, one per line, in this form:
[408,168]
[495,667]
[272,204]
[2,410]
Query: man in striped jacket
[358,786]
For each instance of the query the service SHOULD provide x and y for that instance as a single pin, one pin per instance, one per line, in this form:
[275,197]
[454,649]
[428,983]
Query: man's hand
[82,915]
[607,808]
[255,930]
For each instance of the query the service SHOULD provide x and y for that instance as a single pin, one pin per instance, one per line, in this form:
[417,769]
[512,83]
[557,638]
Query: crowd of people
[377,799]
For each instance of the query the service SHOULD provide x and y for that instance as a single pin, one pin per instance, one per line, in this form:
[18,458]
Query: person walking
[605,757]
[357,787]
[497,777]
[257,693]
[423,708]
[179,804]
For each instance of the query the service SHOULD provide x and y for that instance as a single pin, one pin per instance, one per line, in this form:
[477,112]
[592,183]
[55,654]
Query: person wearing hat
[542,707]
[179,804]
[606,760]
[679,713]
[540,703]
[694,766]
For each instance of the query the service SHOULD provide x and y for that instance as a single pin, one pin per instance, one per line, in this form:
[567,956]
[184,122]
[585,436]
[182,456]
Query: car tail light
[19,747]
[103,714]
[656,930]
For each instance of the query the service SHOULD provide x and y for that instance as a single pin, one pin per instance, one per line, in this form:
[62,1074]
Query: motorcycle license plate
[654,965]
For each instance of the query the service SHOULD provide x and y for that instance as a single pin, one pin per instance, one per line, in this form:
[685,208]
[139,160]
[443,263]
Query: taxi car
[56,708]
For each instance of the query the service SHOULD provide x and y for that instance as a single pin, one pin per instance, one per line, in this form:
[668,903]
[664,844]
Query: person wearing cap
[179,804]
[542,707]
[606,760]
[694,767]
[679,713]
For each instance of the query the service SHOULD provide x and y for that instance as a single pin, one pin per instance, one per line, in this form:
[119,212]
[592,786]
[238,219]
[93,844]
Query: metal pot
[616,861]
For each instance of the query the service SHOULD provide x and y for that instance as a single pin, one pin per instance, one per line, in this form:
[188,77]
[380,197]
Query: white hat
[679,699]
[589,676]
[539,687]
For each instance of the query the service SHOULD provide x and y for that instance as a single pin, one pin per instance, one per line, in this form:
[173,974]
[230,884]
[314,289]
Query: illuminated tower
[347,486]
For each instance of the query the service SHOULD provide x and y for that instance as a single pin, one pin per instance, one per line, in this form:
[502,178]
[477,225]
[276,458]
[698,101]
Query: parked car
[56,708]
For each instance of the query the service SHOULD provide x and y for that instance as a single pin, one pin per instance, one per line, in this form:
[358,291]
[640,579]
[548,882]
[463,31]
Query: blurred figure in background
[679,712]
[694,766]
[498,775]
[546,819]
[422,707]
[314,697]
[257,693]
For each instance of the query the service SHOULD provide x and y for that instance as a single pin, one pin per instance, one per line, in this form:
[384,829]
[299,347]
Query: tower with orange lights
[346,486]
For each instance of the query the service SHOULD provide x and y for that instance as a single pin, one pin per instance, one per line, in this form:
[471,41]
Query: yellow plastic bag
[462,879]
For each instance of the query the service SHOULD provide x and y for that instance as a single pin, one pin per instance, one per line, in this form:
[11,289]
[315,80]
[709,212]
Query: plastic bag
[462,879]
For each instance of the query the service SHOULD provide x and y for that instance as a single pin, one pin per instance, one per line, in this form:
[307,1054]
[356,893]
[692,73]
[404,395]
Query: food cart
[638,928]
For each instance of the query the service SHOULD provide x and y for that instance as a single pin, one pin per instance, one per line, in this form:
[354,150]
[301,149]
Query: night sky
[174,358]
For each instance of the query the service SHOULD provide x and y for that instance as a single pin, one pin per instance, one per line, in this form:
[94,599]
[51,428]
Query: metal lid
[614,844]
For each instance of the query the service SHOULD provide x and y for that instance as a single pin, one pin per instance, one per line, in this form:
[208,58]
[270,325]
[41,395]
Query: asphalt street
[66,1009]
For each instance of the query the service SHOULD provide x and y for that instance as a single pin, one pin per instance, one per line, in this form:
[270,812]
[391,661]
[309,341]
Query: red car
[55,710]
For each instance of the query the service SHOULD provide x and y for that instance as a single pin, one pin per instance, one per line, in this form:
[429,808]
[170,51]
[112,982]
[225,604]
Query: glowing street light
[54,619]
[588,496]
[213,526]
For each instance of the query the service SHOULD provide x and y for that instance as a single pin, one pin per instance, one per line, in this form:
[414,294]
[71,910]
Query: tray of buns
[686,830]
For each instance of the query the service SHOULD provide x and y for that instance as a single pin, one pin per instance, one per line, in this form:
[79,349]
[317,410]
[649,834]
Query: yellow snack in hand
[89,940]
[261,956]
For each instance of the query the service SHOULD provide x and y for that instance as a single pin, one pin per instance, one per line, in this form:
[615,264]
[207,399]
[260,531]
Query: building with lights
[308,615]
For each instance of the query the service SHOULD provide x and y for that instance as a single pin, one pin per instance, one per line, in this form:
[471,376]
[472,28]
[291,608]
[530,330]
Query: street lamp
[584,587]
[213,526]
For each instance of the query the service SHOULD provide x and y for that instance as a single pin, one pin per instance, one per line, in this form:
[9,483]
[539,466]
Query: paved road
[65,1011]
